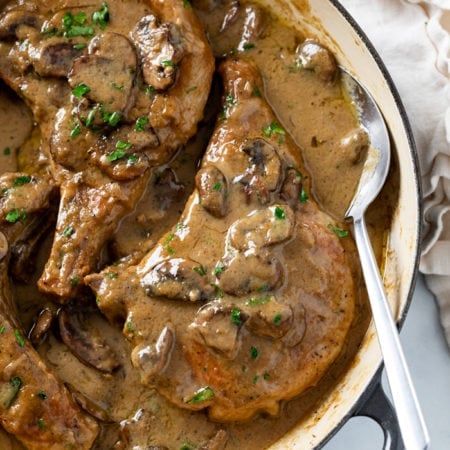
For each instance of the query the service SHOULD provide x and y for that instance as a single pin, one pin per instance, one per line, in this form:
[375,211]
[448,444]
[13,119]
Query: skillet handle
[378,407]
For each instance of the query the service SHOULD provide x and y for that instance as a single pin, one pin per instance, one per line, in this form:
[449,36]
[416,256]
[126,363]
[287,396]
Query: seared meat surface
[108,84]
[247,321]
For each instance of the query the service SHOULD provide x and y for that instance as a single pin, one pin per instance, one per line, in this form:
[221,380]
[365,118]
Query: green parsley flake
[19,338]
[218,270]
[339,232]
[303,196]
[76,130]
[277,318]
[200,270]
[248,46]
[111,118]
[74,281]
[202,395]
[217,186]
[122,145]
[187,4]
[2,329]
[41,424]
[141,123]
[236,316]
[42,395]
[6,151]
[254,352]
[68,231]
[279,213]
[116,155]
[101,17]
[79,46]
[191,89]
[20,181]
[15,215]
[273,128]
[257,91]
[257,301]
[168,63]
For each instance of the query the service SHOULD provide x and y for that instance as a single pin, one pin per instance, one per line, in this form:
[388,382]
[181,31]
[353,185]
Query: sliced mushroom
[266,163]
[272,319]
[89,405]
[291,187]
[212,187]
[231,15]
[214,323]
[160,48]
[264,227]
[121,154]
[354,145]
[217,442]
[178,279]
[86,344]
[108,71]
[41,326]
[312,55]
[55,57]
[250,273]
[16,18]
[153,359]
[3,246]
[254,24]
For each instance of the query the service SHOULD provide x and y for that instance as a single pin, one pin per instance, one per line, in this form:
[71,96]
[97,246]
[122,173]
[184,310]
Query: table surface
[428,357]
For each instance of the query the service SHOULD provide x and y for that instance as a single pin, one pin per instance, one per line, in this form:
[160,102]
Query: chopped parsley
[20,181]
[15,215]
[76,130]
[41,424]
[236,316]
[167,246]
[79,46]
[116,155]
[68,231]
[254,353]
[42,395]
[187,4]
[6,151]
[141,123]
[74,281]
[191,89]
[122,145]
[202,395]
[248,46]
[80,90]
[111,118]
[277,318]
[273,128]
[229,101]
[257,301]
[200,270]
[112,275]
[75,25]
[257,91]
[219,269]
[19,338]
[101,17]
[303,196]
[217,186]
[339,232]
[2,329]
[279,213]
[169,63]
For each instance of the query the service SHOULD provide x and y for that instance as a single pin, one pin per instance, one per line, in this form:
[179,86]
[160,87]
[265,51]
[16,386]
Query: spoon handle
[409,415]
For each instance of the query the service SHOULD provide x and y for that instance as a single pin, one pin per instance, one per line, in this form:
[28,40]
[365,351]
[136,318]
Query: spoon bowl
[374,173]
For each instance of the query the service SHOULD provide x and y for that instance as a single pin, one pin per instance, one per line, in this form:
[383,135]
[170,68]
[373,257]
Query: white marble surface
[429,361]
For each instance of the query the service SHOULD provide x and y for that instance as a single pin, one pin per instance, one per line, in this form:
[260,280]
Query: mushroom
[107,72]
[153,359]
[265,164]
[292,186]
[217,442]
[160,49]
[41,326]
[12,20]
[250,273]
[212,187]
[219,328]
[354,145]
[178,279]
[86,344]
[262,228]
[55,57]
[312,55]
[271,319]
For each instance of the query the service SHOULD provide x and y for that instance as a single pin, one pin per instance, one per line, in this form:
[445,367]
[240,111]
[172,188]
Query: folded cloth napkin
[413,39]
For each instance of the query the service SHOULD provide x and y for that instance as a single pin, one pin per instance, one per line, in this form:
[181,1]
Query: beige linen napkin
[413,39]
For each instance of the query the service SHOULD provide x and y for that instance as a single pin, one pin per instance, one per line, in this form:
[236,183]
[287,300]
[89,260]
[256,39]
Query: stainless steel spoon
[375,170]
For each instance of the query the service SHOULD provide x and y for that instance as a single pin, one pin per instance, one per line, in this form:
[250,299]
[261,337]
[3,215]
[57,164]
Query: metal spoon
[375,170]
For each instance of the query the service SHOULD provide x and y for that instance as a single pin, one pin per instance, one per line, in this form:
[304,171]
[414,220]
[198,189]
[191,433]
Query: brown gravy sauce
[317,116]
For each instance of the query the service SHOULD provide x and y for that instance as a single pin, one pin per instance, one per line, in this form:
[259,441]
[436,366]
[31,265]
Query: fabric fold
[413,39]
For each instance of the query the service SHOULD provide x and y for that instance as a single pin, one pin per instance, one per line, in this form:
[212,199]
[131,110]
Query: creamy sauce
[318,117]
